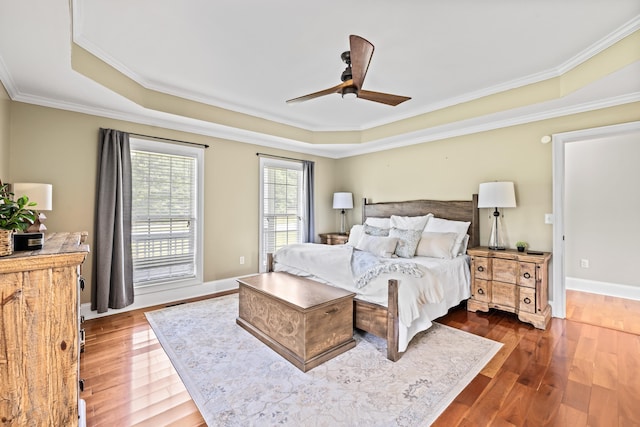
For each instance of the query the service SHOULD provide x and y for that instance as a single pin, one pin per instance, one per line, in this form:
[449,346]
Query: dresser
[39,333]
[334,238]
[511,281]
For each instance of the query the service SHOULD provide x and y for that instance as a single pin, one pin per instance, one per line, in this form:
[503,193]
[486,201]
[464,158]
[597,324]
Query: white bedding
[444,282]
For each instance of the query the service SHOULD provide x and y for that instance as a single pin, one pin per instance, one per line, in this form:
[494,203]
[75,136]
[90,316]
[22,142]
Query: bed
[387,306]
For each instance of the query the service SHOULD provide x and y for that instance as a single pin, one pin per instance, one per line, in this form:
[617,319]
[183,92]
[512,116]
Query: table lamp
[497,195]
[343,201]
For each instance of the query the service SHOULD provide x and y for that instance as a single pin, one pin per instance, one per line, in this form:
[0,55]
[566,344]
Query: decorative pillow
[410,222]
[407,241]
[436,245]
[440,225]
[378,222]
[355,234]
[378,245]
[375,231]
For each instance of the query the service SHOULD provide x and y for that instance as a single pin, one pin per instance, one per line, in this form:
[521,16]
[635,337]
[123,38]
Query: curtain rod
[281,157]
[169,139]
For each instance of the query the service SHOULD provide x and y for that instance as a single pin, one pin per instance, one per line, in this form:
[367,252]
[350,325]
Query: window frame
[154,146]
[287,164]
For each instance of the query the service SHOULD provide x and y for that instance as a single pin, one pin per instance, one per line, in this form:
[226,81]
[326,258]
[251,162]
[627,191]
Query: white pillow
[377,245]
[410,222]
[407,241]
[378,222]
[463,245]
[436,245]
[440,225]
[355,234]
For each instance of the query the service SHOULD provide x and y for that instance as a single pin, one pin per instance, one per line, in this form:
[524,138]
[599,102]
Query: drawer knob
[527,276]
[333,310]
[481,291]
[527,300]
[480,268]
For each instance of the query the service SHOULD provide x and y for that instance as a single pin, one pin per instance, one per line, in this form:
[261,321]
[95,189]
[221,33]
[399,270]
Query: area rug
[236,380]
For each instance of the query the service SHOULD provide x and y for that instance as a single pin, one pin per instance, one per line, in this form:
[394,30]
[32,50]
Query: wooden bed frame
[384,321]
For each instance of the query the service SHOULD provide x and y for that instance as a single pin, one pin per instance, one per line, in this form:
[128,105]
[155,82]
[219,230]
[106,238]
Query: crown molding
[335,151]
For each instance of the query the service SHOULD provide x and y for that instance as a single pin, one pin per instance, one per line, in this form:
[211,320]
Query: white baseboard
[603,288]
[165,297]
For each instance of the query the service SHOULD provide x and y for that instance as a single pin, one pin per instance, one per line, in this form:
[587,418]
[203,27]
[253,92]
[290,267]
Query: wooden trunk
[39,334]
[306,322]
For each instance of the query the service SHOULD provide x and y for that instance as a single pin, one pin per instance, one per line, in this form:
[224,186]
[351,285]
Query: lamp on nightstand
[343,201]
[497,195]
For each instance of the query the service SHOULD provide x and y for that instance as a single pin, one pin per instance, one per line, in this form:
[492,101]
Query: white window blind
[164,216]
[281,205]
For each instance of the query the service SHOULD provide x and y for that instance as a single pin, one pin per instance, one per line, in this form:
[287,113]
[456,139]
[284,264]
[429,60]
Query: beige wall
[5,109]
[60,147]
[452,169]
[602,202]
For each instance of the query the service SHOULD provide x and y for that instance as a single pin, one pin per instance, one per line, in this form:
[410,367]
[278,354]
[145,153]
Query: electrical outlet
[584,263]
[241,260]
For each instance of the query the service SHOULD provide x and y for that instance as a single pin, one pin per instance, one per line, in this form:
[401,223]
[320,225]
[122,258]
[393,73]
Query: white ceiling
[250,56]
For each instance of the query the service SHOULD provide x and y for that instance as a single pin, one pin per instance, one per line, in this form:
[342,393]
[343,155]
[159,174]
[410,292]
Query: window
[166,231]
[281,206]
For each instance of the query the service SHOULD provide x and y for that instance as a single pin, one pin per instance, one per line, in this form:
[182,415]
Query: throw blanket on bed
[341,263]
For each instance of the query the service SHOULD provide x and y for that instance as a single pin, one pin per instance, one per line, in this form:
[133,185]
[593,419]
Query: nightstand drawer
[482,268]
[480,290]
[527,300]
[503,294]
[505,270]
[527,274]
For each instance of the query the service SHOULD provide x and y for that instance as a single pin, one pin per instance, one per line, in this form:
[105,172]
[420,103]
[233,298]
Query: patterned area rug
[236,380]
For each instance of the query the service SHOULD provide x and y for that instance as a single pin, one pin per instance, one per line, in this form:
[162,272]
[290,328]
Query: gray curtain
[307,178]
[113,278]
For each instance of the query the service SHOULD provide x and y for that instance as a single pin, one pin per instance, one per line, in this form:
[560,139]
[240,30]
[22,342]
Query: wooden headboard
[457,210]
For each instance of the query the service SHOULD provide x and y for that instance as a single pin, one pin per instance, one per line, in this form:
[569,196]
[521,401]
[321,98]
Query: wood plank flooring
[573,374]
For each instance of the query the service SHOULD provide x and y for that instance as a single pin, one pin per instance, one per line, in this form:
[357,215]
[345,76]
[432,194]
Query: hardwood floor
[573,374]
[602,310]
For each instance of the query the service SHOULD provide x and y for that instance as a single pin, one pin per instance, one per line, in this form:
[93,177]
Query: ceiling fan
[357,60]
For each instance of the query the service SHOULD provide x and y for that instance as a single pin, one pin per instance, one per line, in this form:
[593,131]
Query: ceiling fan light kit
[357,60]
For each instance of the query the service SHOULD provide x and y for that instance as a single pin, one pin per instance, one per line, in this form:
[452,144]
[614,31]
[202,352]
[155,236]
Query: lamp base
[496,238]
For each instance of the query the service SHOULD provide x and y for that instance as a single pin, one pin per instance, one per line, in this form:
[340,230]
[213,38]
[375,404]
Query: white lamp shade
[342,201]
[496,195]
[41,194]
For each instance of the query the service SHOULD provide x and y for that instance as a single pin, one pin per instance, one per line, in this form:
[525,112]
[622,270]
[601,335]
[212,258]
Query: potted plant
[15,215]
[521,245]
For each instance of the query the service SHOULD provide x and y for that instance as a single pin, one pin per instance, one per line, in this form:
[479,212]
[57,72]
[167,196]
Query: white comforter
[442,285]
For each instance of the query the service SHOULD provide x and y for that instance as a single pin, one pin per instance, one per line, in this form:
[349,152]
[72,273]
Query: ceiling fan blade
[383,98]
[335,89]
[361,53]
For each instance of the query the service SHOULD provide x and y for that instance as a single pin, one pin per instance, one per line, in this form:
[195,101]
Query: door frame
[559,141]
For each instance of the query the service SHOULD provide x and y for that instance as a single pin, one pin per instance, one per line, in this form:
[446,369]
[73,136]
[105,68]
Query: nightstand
[333,238]
[511,281]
